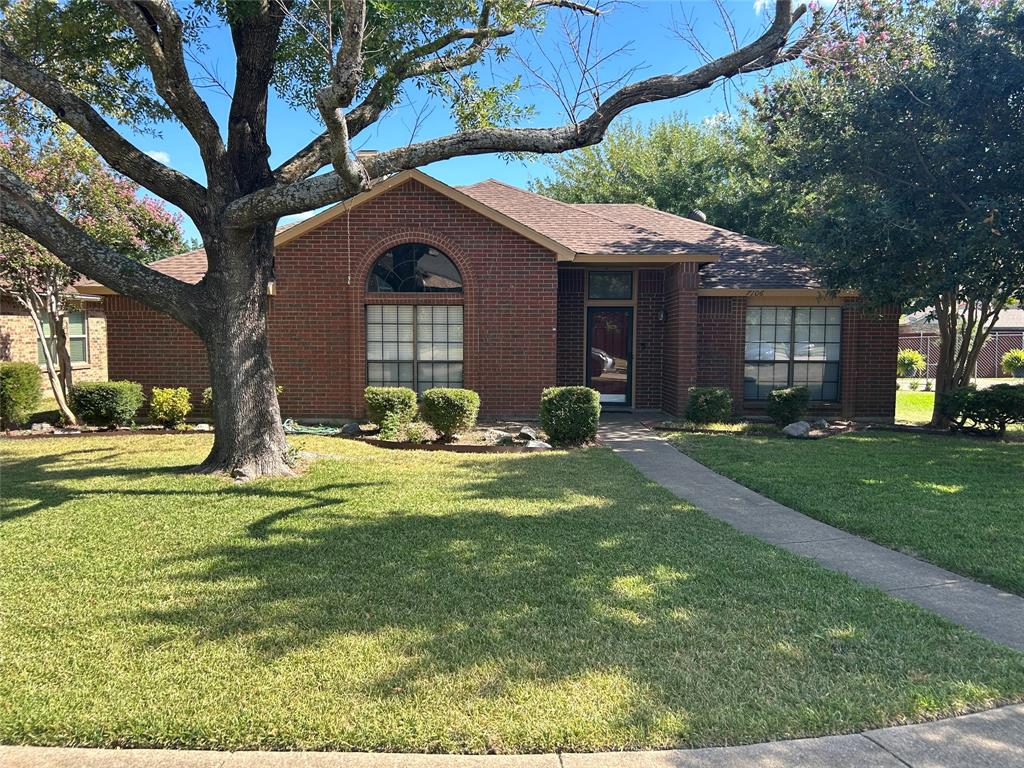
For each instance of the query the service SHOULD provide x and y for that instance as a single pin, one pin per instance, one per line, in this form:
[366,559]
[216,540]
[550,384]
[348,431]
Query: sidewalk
[990,612]
[993,739]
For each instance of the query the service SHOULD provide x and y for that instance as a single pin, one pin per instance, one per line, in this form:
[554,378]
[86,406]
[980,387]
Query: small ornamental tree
[78,185]
[347,62]
[907,126]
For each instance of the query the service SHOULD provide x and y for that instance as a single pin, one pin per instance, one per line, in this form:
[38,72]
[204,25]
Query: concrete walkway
[988,611]
[993,739]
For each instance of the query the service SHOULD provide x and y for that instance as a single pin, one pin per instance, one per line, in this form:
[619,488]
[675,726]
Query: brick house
[506,292]
[87,337]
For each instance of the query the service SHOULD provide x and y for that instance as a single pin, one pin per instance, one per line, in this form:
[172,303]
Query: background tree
[349,60]
[721,166]
[72,179]
[908,127]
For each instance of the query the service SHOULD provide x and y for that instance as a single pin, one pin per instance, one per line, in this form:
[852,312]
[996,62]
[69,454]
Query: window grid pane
[429,337]
[792,346]
[77,335]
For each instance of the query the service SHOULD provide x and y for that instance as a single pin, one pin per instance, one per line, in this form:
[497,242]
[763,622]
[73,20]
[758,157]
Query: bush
[169,406]
[788,405]
[207,398]
[450,411]
[381,401]
[570,415]
[390,427]
[19,392]
[106,403]
[909,362]
[708,405]
[988,410]
[1013,362]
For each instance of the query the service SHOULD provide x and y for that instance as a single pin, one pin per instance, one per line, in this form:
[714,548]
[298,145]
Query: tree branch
[23,210]
[158,29]
[120,154]
[317,191]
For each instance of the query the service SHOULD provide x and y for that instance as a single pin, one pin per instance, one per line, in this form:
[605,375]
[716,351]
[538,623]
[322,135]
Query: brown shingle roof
[743,262]
[628,230]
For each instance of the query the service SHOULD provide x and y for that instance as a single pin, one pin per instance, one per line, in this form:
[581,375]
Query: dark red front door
[609,340]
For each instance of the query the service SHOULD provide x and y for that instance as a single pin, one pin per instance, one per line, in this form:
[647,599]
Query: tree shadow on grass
[548,569]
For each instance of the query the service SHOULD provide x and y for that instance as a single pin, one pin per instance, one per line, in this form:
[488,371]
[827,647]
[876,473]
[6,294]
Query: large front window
[419,347]
[78,339]
[792,346]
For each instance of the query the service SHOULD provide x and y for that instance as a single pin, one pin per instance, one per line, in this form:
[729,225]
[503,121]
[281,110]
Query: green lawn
[395,600]
[914,407]
[954,501]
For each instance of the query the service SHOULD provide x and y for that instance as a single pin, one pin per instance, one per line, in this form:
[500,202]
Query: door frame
[630,313]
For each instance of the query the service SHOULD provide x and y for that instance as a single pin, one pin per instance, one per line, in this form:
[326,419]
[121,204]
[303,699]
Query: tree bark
[249,438]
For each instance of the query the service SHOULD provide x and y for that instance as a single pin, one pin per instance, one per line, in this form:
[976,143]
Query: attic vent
[698,215]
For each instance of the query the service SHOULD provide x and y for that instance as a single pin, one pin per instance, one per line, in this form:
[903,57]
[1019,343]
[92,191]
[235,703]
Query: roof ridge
[570,206]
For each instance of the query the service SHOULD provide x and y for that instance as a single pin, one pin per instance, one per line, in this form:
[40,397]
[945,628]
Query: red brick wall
[679,367]
[870,343]
[317,317]
[650,337]
[721,324]
[571,344]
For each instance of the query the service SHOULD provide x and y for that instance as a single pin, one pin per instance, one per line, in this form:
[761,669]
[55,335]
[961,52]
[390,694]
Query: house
[86,330]
[920,331]
[501,290]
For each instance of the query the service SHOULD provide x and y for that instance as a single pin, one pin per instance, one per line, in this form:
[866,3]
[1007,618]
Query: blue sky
[644,30]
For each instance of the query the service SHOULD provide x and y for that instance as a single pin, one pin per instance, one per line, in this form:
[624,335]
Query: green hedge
[988,410]
[570,415]
[708,405]
[400,402]
[19,392]
[788,405]
[169,405]
[107,403]
[450,411]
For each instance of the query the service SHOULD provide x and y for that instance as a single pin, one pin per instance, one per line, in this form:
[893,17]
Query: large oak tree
[93,63]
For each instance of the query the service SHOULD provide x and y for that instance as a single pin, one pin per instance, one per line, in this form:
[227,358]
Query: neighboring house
[504,291]
[919,331]
[87,337]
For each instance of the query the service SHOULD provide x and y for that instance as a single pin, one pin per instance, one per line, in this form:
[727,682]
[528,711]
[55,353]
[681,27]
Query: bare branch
[23,210]
[158,29]
[317,191]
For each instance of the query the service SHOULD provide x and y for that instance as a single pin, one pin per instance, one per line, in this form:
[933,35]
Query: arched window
[414,268]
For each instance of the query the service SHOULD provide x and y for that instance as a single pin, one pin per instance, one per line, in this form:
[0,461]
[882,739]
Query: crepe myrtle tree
[351,61]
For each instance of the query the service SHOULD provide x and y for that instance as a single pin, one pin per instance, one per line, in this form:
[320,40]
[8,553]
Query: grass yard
[914,407]
[954,501]
[394,600]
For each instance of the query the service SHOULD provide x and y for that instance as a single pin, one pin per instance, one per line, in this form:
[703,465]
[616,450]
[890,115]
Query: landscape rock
[352,429]
[797,429]
[539,445]
[203,427]
[498,436]
[42,426]
[527,433]
[820,424]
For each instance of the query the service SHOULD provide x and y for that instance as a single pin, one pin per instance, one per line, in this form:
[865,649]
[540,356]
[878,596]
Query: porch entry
[610,342]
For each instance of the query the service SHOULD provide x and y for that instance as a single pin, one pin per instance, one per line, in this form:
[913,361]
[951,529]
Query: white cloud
[760,6]
[160,156]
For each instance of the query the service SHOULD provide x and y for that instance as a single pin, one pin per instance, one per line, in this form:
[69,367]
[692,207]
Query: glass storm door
[610,343]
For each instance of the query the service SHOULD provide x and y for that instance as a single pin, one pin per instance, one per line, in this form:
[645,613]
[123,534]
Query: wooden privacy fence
[997,345]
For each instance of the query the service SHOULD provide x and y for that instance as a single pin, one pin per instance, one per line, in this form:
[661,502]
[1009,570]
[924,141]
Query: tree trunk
[56,382]
[249,439]
[946,315]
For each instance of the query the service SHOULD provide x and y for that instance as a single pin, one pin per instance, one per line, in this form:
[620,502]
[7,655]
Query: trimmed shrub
[788,405]
[169,406]
[450,411]
[909,362]
[1013,363]
[986,410]
[19,392]
[381,401]
[107,403]
[391,427]
[570,415]
[708,405]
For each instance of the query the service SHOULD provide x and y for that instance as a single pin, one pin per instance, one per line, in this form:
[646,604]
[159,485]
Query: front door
[610,344]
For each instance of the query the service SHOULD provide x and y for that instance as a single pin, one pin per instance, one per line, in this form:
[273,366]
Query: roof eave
[643,258]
